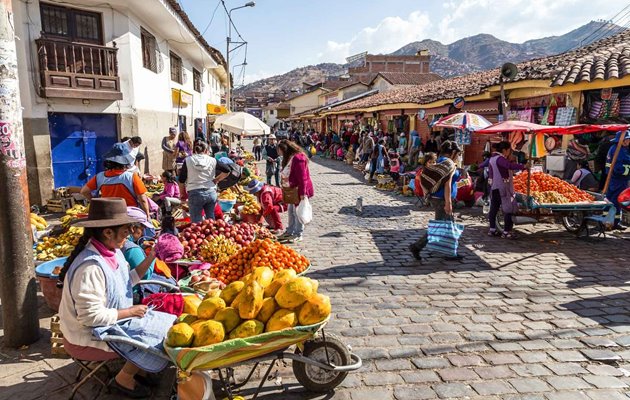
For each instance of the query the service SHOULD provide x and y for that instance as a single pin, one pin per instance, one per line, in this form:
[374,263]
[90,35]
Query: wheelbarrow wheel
[573,221]
[317,379]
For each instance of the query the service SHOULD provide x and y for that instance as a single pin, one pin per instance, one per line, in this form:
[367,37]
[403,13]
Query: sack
[509,205]
[443,237]
[434,176]
[171,303]
[305,211]
[290,195]
[313,150]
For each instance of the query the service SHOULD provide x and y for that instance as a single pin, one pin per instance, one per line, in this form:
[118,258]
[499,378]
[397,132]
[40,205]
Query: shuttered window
[149,50]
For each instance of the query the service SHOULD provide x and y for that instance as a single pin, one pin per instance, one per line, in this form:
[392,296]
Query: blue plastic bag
[443,237]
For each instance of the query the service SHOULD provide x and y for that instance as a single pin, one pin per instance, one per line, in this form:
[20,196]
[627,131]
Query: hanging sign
[463,137]
[459,103]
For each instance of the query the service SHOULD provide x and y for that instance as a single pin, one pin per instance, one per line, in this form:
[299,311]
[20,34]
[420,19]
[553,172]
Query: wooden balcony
[78,70]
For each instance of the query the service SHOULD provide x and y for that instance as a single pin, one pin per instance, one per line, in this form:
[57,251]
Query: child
[170,195]
[429,159]
[394,166]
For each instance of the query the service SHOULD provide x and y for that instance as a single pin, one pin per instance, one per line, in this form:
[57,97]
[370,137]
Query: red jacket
[270,196]
[300,177]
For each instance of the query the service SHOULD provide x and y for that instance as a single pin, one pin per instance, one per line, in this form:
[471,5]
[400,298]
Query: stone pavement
[543,317]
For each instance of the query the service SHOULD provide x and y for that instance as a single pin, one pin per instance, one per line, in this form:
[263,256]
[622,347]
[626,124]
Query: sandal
[138,392]
[509,235]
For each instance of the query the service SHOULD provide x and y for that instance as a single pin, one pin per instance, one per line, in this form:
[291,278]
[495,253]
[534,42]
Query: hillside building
[373,64]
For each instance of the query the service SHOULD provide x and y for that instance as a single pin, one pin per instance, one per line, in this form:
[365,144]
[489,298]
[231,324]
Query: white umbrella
[242,123]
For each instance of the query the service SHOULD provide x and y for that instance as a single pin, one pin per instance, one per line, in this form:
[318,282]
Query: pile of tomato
[542,182]
[259,253]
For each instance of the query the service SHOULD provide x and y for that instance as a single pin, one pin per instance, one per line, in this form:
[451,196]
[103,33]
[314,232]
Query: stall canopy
[242,123]
[528,127]
[464,120]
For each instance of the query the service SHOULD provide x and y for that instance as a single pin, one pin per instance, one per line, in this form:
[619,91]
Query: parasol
[463,121]
[242,122]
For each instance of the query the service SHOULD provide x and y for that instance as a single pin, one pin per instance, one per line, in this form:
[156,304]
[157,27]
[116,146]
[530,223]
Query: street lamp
[228,95]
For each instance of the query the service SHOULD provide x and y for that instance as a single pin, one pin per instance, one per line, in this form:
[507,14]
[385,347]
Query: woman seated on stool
[270,199]
[97,292]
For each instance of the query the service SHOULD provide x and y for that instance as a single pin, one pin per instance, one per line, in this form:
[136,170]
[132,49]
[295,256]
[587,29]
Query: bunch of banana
[227,195]
[250,204]
[50,248]
[218,248]
[72,214]
[38,222]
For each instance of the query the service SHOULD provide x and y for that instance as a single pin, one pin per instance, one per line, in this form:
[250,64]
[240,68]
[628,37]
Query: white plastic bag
[305,211]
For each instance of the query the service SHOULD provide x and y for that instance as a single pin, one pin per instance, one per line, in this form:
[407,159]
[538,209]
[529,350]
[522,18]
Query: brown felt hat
[106,212]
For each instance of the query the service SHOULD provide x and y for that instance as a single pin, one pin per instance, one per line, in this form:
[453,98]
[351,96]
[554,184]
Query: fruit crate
[56,338]
[60,205]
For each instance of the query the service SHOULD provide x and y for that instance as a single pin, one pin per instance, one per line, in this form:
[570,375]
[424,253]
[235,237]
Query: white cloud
[389,35]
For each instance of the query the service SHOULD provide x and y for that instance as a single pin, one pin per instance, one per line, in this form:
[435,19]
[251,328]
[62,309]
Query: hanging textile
[538,145]
[566,116]
[550,113]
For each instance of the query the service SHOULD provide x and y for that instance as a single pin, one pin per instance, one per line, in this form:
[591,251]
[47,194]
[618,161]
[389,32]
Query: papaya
[281,319]
[231,291]
[212,293]
[294,293]
[281,277]
[237,300]
[248,328]
[263,275]
[251,300]
[191,303]
[228,317]
[209,307]
[207,333]
[314,284]
[269,307]
[180,335]
[187,318]
[314,310]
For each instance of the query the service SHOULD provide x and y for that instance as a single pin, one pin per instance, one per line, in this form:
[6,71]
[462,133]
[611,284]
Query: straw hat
[106,212]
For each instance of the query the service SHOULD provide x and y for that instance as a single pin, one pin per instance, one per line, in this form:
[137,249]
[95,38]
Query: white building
[92,72]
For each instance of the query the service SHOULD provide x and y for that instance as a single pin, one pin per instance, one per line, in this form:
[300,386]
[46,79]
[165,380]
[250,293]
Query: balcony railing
[78,70]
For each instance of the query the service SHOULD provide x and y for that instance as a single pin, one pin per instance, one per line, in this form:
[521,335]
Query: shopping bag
[290,195]
[443,237]
[313,150]
[305,211]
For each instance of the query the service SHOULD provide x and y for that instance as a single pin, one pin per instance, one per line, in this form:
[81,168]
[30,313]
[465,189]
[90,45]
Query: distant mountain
[292,80]
[470,54]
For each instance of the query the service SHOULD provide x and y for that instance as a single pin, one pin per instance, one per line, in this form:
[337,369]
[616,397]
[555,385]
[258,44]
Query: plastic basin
[226,205]
[48,282]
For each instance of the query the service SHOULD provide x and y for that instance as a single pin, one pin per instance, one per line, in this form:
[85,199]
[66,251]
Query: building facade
[373,64]
[92,73]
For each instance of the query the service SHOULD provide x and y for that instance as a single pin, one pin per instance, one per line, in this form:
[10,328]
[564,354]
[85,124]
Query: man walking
[270,154]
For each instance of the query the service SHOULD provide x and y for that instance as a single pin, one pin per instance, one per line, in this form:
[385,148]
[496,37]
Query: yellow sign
[213,109]
[181,98]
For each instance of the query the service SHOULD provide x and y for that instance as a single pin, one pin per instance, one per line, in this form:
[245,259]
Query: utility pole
[18,290]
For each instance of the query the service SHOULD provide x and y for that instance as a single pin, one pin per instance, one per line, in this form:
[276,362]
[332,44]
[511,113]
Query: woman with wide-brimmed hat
[97,299]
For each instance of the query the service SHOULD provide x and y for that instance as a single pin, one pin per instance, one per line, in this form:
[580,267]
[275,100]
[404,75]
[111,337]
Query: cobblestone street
[543,317]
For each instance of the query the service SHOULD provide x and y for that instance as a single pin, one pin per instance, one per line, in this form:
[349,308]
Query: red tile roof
[605,59]
[408,78]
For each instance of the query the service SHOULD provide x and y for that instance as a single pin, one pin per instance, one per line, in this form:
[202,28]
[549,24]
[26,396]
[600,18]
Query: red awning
[528,127]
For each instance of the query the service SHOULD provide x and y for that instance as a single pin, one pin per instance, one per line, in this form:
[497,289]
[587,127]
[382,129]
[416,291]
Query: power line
[230,20]
[606,26]
[614,28]
[211,19]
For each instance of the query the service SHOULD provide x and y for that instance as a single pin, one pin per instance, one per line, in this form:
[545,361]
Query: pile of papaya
[262,301]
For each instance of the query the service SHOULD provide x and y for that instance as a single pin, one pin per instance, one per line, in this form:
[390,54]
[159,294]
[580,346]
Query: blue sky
[286,34]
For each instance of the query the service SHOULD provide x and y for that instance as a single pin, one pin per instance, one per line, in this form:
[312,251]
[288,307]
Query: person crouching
[270,199]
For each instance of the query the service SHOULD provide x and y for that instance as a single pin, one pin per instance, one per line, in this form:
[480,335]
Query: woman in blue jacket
[620,178]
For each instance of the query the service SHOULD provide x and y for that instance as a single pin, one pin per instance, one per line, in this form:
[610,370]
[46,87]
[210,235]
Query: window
[71,24]
[196,80]
[149,50]
[176,68]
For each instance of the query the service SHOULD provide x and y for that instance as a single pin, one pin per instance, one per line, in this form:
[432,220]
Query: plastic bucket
[48,282]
